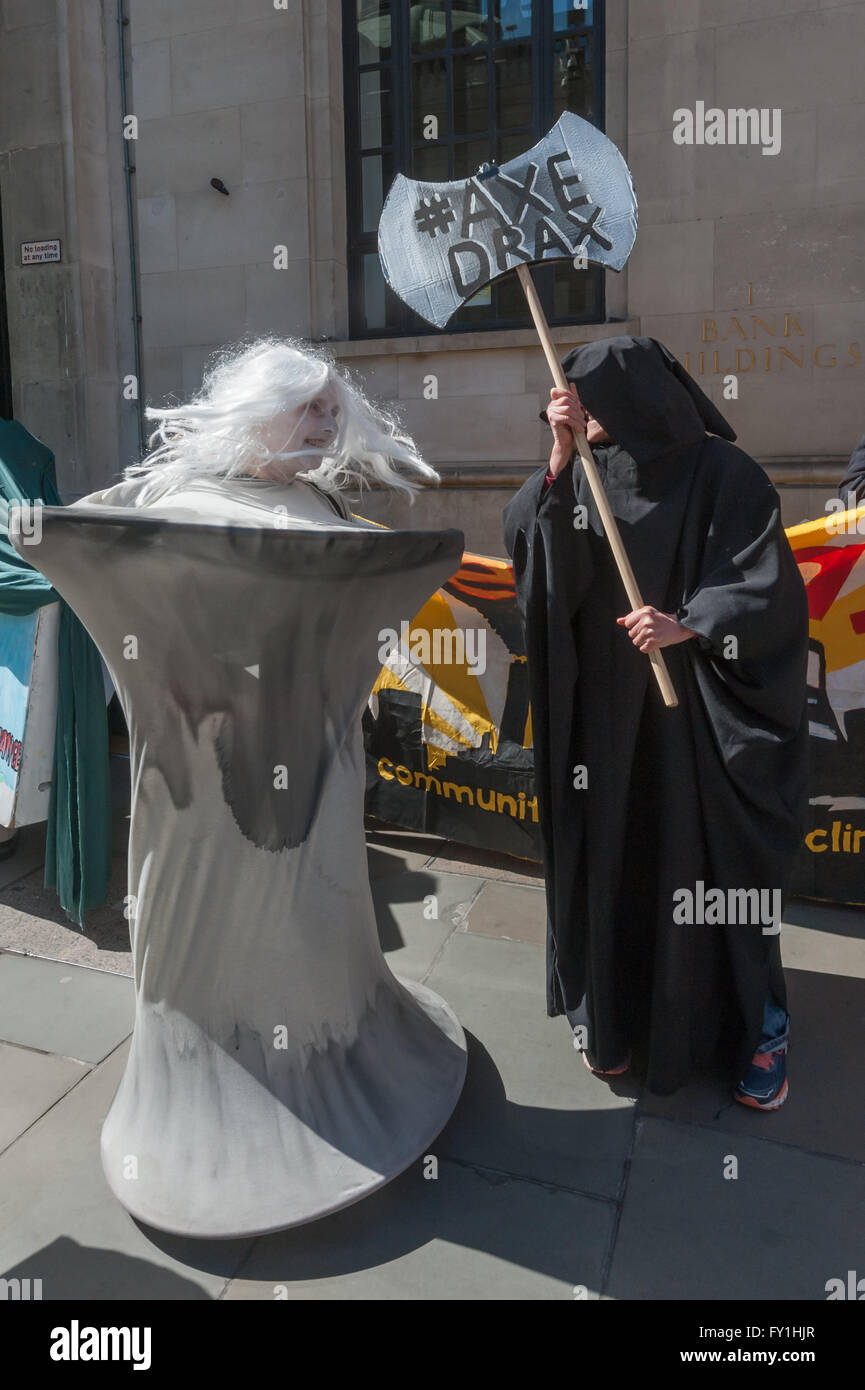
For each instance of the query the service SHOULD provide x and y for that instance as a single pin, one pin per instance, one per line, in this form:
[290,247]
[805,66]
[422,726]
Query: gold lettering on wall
[784,352]
[735,327]
[774,357]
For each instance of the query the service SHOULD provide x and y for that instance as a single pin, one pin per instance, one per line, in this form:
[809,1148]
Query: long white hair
[215,434]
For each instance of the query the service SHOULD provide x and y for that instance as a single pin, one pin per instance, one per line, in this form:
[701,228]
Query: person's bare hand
[566,414]
[650,629]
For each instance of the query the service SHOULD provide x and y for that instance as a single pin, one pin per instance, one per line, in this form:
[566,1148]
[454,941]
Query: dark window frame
[360,243]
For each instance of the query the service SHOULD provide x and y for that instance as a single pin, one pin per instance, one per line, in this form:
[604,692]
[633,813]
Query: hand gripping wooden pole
[608,521]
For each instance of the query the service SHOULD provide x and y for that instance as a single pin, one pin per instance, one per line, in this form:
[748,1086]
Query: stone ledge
[783,472]
[479,341]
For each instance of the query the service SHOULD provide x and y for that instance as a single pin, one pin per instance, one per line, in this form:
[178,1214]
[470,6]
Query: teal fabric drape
[78,843]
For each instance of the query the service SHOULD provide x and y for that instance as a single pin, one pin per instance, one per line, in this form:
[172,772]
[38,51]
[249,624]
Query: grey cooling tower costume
[278,1069]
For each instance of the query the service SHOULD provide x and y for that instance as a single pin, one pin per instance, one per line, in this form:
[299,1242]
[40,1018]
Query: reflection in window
[512,19]
[375,109]
[376,179]
[471,92]
[469,24]
[567,16]
[573,78]
[430,162]
[429,95]
[373,31]
[468,157]
[428,26]
[382,309]
[513,66]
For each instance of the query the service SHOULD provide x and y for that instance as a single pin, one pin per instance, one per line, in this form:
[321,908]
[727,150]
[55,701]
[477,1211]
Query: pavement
[548,1183]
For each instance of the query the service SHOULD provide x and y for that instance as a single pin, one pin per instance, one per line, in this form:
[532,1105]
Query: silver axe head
[439,243]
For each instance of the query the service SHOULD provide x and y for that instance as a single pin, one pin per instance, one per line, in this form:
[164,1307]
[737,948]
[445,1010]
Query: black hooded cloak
[709,795]
[854,479]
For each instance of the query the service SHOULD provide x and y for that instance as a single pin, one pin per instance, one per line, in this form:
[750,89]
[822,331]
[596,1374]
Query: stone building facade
[746,263]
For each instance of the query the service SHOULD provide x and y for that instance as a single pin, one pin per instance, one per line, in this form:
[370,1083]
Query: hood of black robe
[642,395]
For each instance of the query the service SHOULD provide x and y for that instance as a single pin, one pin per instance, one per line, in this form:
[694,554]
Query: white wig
[215,435]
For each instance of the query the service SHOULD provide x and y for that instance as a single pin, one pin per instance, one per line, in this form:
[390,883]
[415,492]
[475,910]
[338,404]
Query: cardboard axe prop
[569,196]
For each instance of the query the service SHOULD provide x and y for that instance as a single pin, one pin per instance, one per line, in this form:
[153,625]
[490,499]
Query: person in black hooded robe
[851,489]
[641,805]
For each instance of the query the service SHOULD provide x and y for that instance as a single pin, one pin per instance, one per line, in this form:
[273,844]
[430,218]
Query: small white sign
[37,252]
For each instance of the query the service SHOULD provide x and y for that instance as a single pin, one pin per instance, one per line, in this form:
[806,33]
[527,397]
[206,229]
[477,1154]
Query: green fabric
[78,845]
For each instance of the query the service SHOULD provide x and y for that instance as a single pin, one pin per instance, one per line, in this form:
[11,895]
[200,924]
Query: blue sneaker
[764,1087]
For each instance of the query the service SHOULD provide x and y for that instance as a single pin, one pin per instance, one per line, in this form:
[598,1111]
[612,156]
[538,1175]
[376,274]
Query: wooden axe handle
[608,521]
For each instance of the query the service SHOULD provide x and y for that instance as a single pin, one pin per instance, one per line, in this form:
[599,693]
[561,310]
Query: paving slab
[28,856]
[383,861]
[33,922]
[463,1235]
[838,919]
[66,1009]
[780,1230]
[831,942]
[529,1106]
[411,937]
[60,1223]
[823,1112]
[511,912]
[30,1083]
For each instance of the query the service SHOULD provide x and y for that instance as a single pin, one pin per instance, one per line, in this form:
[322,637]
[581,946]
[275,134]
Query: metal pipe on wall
[129,169]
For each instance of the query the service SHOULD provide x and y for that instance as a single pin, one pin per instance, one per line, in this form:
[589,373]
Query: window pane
[376,179]
[512,19]
[430,162]
[469,23]
[501,300]
[573,78]
[483,300]
[573,290]
[428,24]
[565,16]
[509,146]
[514,85]
[468,156]
[373,30]
[429,95]
[471,93]
[478,310]
[376,127]
[381,307]
[509,300]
